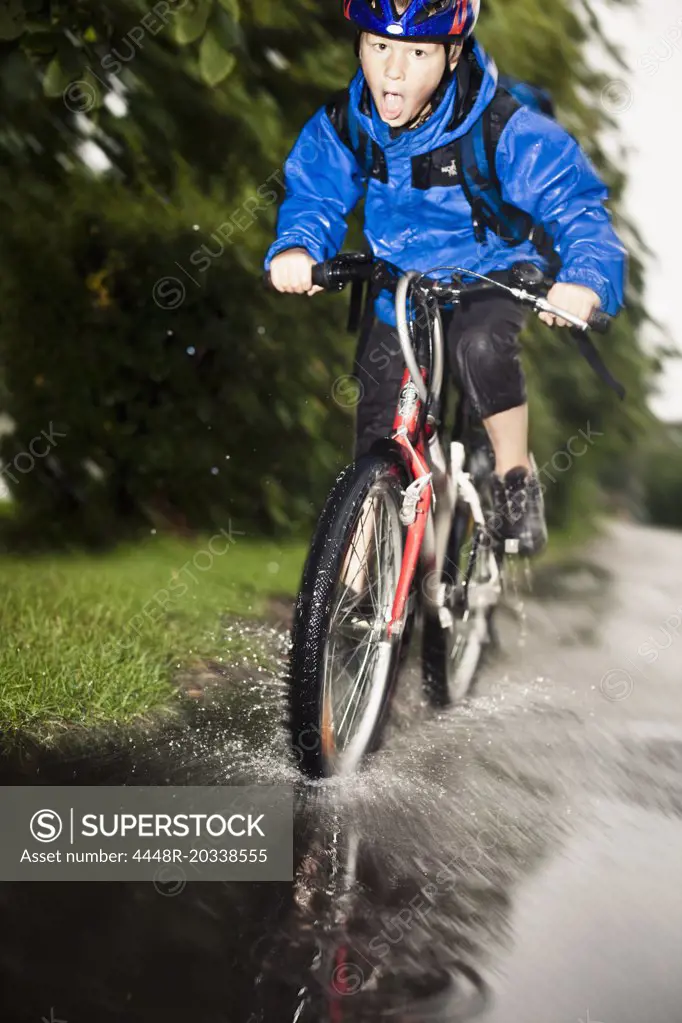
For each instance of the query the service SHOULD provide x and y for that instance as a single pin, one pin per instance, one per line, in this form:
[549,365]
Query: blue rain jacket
[416,213]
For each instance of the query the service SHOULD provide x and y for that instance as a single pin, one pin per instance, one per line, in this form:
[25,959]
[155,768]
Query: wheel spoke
[357,702]
[354,653]
[360,559]
[451,656]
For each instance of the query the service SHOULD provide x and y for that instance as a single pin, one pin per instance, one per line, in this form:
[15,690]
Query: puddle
[517,859]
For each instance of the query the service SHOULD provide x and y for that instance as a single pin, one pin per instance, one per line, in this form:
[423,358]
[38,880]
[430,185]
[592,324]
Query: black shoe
[521,512]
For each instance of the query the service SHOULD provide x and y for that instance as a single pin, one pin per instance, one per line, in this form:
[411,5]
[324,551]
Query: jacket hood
[469,92]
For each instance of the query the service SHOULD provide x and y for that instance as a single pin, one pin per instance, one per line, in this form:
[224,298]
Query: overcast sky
[646,102]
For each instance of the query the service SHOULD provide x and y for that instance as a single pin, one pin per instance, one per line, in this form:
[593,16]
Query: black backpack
[475,157]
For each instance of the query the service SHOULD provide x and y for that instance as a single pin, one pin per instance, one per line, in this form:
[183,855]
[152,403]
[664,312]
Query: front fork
[427,533]
[415,513]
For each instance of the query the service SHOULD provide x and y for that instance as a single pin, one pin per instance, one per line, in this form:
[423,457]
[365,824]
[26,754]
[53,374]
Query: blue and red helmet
[432,20]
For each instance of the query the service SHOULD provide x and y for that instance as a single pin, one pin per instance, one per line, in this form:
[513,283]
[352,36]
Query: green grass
[94,639]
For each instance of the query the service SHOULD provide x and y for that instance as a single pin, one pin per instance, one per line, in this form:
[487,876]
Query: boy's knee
[475,348]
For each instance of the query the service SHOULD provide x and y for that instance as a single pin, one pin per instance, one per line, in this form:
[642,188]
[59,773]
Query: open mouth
[392,105]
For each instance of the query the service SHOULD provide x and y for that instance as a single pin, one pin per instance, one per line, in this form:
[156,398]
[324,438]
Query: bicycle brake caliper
[408,510]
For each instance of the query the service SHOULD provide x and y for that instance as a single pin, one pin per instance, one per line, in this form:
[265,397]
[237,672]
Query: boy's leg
[378,370]
[508,433]
[484,354]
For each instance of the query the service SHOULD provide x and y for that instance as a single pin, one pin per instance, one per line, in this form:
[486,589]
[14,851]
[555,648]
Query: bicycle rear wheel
[343,663]
[452,654]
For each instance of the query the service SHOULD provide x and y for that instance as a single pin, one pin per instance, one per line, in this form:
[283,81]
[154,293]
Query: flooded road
[515,860]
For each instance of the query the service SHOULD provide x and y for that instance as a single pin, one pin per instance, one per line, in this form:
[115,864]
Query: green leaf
[190,23]
[215,63]
[42,42]
[226,30]
[232,8]
[81,92]
[56,78]
[12,19]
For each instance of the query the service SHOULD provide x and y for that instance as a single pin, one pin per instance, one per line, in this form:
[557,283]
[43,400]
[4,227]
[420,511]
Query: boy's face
[402,74]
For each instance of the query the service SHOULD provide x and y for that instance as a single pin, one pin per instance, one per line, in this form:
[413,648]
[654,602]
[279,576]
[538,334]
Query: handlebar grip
[334,274]
[600,322]
[320,274]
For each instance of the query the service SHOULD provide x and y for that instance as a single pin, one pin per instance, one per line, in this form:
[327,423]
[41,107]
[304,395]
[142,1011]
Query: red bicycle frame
[414,442]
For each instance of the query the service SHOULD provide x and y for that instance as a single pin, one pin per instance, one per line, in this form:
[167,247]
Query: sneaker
[521,508]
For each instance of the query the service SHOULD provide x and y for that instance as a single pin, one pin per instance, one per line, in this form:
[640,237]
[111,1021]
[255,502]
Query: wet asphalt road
[514,860]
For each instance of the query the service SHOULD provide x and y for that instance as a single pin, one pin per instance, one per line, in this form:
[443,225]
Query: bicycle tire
[330,546]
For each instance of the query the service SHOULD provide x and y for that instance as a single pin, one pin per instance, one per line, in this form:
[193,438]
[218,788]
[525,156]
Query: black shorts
[481,356]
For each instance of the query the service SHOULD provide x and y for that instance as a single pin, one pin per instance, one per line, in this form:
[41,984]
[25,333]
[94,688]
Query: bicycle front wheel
[343,662]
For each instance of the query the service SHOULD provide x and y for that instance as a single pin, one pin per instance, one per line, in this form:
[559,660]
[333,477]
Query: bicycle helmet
[429,20]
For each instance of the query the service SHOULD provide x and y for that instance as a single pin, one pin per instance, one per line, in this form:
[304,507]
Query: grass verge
[96,639]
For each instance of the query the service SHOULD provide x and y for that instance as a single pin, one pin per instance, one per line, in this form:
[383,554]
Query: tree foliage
[656,466]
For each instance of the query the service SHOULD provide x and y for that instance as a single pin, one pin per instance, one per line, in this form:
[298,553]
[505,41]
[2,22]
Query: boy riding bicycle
[397,135]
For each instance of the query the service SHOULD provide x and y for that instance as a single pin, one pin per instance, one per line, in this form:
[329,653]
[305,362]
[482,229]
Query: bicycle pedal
[511,546]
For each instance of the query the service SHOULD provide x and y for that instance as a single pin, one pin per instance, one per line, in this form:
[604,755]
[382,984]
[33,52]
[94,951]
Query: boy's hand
[290,272]
[574,298]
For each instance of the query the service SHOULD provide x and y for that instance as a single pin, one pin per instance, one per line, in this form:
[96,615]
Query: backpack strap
[589,352]
[361,314]
[340,112]
[475,155]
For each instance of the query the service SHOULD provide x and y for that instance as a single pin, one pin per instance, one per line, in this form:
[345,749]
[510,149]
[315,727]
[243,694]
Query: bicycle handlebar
[334,274]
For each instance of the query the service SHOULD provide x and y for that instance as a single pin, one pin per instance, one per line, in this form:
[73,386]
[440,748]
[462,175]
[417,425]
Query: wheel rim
[470,631]
[358,653]
[465,652]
